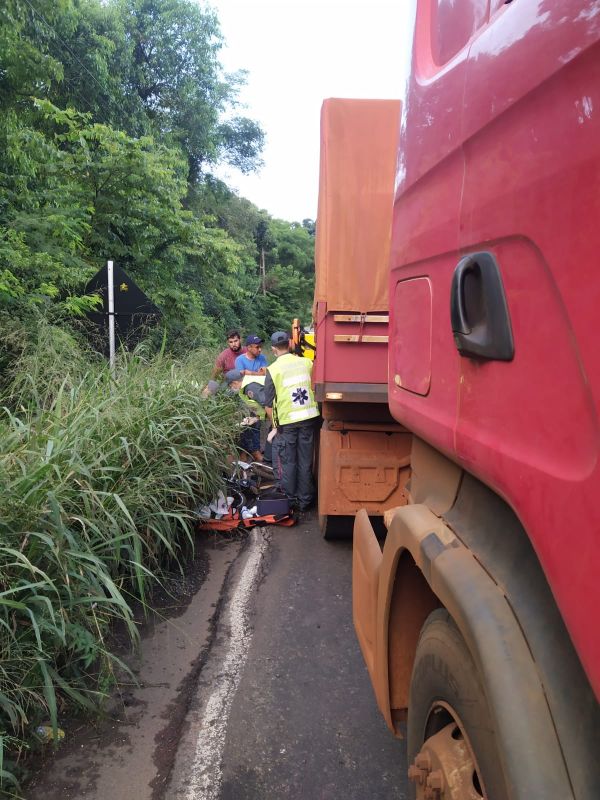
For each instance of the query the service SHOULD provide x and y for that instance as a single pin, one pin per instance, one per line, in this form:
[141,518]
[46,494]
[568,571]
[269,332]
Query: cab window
[453,22]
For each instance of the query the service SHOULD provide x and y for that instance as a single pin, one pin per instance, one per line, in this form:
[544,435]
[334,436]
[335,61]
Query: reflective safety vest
[294,398]
[256,407]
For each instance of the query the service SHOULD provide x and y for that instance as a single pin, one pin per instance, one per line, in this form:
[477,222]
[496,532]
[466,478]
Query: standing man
[252,362]
[226,358]
[291,405]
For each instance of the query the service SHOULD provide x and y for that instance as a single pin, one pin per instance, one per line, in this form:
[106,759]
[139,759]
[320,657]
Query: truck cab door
[531,130]
[423,367]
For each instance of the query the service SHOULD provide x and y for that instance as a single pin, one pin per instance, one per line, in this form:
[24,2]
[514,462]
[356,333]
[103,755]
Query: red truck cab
[478,621]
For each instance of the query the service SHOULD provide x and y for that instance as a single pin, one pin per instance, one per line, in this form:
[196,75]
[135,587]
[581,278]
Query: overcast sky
[297,53]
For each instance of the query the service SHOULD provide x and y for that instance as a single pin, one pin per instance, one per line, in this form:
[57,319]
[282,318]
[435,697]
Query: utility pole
[263,271]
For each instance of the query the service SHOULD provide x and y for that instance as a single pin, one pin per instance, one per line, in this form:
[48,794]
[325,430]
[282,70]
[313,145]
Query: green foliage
[98,479]
[25,65]
[110,162]
[290,275]
[112,113]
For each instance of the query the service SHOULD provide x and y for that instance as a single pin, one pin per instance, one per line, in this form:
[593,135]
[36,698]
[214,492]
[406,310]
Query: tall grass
[97,481]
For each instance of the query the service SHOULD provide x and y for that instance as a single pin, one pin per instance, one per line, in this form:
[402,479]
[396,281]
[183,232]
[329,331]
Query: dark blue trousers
[292,460]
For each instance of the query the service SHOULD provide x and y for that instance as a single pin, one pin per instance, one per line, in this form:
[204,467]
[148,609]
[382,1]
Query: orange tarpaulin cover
[359,143]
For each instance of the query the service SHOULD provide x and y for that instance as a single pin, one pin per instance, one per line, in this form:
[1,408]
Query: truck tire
[335,528]
[452,748]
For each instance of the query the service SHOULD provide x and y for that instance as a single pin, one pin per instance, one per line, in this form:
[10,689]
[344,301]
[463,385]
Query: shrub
[98,479]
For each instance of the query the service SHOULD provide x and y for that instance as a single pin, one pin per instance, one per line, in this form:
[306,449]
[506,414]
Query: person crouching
[250,436]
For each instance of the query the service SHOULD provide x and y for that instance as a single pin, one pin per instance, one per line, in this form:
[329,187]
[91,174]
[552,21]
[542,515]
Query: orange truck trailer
[479,616]
[363,452]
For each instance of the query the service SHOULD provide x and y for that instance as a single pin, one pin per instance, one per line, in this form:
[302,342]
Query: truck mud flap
[362,467]
[366,564]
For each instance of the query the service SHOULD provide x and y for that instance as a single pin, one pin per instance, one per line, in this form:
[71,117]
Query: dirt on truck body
[361,447]
[475,617]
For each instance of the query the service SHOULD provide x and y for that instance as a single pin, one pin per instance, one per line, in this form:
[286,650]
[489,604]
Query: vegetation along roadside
[98,481]
[114,116]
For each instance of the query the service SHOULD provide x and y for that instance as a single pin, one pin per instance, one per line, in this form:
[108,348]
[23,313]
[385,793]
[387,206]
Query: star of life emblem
[299,396]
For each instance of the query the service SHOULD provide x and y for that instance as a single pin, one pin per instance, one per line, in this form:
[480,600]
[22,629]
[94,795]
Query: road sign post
[111,317]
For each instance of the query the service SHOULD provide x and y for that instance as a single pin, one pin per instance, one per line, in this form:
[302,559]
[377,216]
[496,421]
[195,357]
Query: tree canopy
[113,115]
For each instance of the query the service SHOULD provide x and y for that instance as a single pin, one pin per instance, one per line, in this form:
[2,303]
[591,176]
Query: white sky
[297,53]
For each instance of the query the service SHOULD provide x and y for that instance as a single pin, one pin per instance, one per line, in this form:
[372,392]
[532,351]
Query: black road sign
[134,311]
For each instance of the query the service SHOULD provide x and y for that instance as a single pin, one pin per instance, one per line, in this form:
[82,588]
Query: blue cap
[254,339]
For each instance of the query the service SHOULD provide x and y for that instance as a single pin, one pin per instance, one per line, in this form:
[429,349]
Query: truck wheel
[452,749]
[335,528]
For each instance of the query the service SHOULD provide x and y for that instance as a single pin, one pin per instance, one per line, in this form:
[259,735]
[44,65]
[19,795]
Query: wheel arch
[418,541]
[467,517]
[492,532]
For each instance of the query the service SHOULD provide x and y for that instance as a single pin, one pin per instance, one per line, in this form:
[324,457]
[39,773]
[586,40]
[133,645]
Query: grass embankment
[97,481]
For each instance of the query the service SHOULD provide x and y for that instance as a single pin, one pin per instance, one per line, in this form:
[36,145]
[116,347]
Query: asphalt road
[284,708]
[250,687]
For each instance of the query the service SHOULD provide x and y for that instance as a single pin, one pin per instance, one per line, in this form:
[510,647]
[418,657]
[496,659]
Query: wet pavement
[303,722]
[257,691]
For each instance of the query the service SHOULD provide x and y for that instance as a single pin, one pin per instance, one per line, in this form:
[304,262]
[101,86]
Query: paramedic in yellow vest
[253,389]
[252,392]
[290,404]
[250,435]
